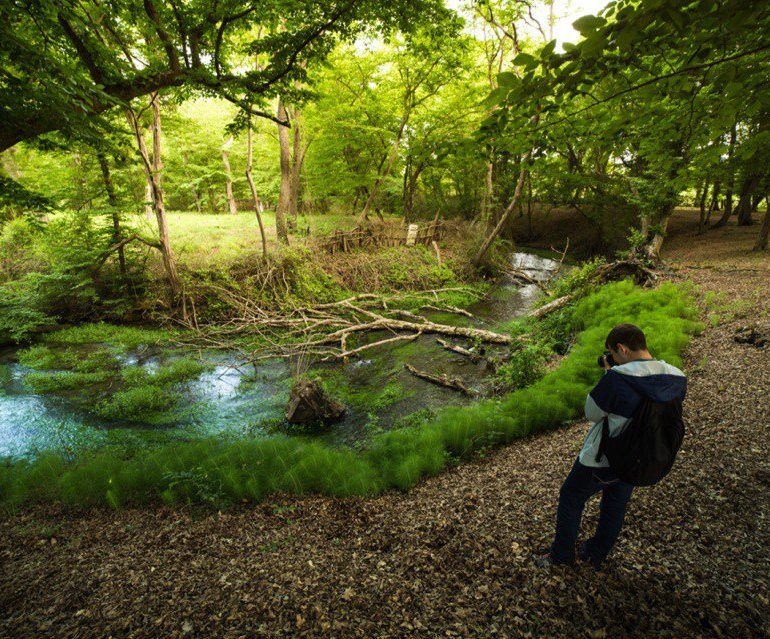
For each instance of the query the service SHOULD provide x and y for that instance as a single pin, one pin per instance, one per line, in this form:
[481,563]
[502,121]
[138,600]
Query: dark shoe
[546,561]
[584,555]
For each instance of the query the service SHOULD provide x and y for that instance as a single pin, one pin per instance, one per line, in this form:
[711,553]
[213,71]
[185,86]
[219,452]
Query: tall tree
[112,201]
[284,198]
[258,206]
[423,66]
[231,205]
[153,168]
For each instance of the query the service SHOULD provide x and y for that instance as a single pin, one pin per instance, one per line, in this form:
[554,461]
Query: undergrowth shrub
[525,365]
[56,270]
[218,470]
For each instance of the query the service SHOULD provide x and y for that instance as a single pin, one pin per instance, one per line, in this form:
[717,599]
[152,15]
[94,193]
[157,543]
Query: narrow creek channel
[235,400]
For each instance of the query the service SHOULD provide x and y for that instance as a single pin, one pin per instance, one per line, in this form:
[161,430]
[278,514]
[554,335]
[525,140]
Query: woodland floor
[453,556]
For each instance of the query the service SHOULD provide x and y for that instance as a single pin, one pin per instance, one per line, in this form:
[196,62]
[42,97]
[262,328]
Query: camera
[608,356]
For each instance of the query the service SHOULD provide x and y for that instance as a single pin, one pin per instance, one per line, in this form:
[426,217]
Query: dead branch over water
[323,330]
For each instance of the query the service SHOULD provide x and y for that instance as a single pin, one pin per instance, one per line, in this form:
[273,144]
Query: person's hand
[604,362]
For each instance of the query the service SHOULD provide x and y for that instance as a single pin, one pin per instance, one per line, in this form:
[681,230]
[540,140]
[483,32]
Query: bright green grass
[220,471]
[208,239]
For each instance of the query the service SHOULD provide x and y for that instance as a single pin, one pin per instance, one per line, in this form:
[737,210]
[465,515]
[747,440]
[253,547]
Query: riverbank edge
[217,473]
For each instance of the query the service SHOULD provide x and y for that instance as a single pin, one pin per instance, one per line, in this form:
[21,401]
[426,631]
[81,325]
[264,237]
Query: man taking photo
[636,413]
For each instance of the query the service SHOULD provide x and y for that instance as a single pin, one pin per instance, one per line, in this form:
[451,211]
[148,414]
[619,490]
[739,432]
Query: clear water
[236,398]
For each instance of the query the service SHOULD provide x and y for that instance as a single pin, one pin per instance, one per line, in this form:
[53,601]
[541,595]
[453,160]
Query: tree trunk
[728,210]
[743,210]
[488,198]
[229,176]
[148,210]
[153,170]
[386,171]
[411,189]
[112,200]
[405,198]
[652,249]
[297,157]
[714,206]
[501,223]
[258,208]
[701,203]
[284,197]
[761,244]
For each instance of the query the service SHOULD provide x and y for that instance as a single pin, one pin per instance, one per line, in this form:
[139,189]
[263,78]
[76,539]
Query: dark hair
[627,334]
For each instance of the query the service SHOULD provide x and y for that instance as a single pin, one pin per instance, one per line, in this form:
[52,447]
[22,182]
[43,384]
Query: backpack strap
[602,438]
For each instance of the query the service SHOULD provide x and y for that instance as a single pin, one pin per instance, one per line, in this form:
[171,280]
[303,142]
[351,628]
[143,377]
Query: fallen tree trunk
[386,323]
[441,380]
[449,309]
[622,269]
[555,305]
[640,273]
[474,357]
[527,279]
[344,354]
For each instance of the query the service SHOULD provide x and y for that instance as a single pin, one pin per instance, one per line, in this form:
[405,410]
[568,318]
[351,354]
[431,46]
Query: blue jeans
[581,483]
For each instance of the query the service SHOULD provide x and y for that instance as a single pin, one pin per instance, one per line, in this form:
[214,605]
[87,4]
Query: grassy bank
[62,271]
[221,471]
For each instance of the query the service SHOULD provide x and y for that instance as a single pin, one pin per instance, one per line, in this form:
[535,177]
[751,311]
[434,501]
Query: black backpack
[644,452]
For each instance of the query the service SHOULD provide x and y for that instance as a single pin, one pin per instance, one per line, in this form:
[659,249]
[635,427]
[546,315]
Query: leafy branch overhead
[64,64]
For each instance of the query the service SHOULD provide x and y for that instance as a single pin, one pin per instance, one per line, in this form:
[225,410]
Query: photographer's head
[627,342]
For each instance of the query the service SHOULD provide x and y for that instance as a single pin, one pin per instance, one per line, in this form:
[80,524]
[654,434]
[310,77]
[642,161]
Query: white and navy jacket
[618,394]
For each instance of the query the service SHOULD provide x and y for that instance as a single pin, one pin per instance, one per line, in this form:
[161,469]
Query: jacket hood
[654,379]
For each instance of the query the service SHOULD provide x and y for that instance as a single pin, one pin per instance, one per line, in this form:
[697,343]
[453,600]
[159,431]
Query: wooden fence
[360,237]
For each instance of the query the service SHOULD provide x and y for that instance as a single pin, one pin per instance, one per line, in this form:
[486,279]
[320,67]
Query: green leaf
[547,50]
[507,79]
[592,46]
[588,24]
[524,60]
[626,37]
[496,97]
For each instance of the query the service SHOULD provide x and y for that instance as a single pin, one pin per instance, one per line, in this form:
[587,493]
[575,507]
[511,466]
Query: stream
[230,399]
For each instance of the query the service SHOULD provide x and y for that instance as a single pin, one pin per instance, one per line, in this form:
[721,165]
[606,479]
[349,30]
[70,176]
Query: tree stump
[309,404]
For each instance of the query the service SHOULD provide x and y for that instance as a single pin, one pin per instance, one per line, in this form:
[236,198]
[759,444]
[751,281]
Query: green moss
[63,381]
[177,372]
[126,337]
[100,360]
[107,388]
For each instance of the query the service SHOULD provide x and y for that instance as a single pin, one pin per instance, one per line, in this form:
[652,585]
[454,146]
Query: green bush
[525,366]
[221,470]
